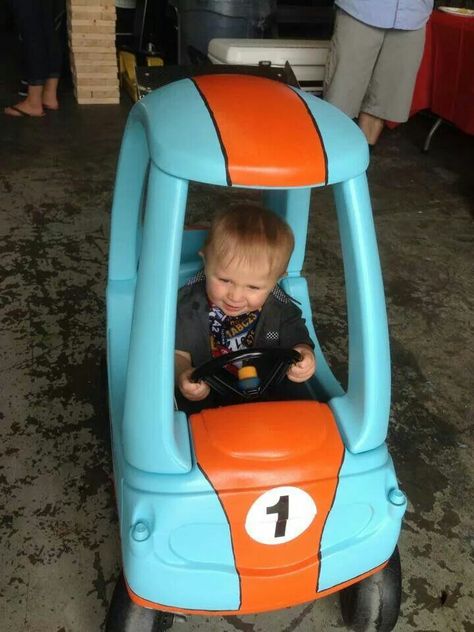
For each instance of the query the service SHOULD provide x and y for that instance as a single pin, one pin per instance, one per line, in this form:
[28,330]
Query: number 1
[281,508]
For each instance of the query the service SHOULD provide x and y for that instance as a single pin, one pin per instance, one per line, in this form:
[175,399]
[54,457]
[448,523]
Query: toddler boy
[235,302]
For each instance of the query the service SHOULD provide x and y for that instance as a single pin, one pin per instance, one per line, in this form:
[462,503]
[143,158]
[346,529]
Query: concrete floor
[59,556]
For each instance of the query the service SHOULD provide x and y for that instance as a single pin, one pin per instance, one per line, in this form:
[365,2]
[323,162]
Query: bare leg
[50,94]
[371,126]
[32,105]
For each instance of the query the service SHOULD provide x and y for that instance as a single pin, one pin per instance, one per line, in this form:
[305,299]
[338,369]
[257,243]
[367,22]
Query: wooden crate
[104,40]
[96,82]
[93,57]
[96,12]
[92,25]
[91,3]
[96,92]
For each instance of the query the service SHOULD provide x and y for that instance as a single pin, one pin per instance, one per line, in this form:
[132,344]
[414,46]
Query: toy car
[258,505]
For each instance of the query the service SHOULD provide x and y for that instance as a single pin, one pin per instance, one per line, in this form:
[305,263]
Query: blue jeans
[39,25]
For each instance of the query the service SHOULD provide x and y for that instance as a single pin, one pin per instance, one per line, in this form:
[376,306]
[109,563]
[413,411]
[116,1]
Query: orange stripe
[156,606]
[268,136]
[252,448]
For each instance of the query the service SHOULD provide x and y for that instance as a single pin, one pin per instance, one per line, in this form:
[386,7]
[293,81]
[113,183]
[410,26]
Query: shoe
[20,112]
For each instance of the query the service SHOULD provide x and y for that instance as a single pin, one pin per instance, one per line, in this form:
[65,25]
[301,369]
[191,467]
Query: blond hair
[249,233]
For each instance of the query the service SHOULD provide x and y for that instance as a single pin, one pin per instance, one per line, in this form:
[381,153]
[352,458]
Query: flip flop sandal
[21,112]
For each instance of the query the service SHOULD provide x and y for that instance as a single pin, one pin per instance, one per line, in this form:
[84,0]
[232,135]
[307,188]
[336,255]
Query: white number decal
[280,515]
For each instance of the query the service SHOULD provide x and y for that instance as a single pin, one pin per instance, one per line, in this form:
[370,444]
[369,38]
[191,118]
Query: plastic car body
[255,506]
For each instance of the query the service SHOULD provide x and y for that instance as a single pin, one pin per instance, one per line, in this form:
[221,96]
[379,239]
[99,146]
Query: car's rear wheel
[373,604]
[126,616]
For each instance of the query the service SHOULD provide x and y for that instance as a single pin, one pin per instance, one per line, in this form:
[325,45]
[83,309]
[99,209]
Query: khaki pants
[371,69]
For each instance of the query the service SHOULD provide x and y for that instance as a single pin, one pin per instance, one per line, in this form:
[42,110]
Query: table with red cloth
[445,81]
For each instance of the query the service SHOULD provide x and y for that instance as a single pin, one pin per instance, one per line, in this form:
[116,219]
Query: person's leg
[390,91]
[28,19]
[372,127]
[50,94]
[352,57]
[52,13]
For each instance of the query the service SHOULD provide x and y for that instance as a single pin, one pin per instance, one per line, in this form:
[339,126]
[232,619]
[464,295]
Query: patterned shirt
[231,333]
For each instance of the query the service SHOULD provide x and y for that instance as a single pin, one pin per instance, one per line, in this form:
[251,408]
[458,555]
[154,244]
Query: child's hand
[304,369]
[194,391]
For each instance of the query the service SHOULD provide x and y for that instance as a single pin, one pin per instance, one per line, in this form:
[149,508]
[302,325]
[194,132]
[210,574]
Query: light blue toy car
[258,505]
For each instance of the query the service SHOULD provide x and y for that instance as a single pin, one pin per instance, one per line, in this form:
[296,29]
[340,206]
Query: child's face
[236,287]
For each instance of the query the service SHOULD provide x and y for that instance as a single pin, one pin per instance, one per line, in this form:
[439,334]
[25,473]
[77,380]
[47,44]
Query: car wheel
[373,604]
[126,616]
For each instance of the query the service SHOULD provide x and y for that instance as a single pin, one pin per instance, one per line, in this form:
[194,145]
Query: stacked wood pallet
[91,29]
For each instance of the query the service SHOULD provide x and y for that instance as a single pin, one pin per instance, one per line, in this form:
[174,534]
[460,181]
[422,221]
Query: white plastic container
[306,57]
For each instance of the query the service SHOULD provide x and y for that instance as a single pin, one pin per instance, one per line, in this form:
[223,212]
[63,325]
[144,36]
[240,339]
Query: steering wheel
[224,383]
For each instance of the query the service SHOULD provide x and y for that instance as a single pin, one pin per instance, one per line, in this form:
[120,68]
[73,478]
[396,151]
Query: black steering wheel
[224,383]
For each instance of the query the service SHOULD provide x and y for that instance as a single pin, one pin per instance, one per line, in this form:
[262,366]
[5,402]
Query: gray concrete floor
[59,556]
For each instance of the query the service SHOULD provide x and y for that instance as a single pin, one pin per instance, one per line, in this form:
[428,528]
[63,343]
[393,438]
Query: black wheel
[126,616]
[373,604]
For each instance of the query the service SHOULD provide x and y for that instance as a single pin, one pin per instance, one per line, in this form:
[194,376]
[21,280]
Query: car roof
[250,131]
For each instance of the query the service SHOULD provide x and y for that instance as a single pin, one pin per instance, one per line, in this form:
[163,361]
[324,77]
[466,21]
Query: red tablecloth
[445,81]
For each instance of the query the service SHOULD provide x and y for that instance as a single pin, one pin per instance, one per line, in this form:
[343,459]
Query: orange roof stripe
[268,136]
